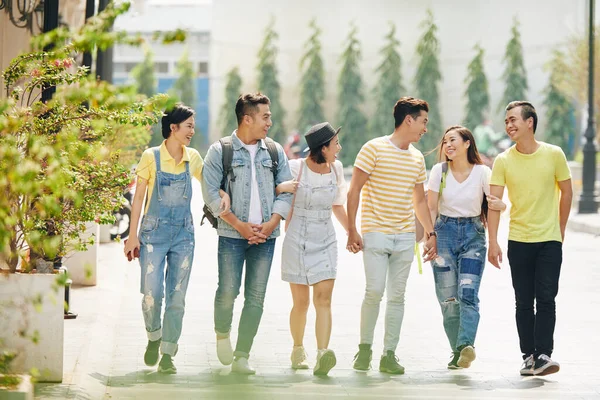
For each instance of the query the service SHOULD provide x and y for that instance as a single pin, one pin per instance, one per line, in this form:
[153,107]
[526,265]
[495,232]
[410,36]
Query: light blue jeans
[387,260]
[457,272]
[233,254]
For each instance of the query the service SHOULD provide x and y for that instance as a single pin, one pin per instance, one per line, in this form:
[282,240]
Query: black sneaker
[151,354]
[527,367]
[545,366]
[453,364]
[166,365]
[389,364]
[362,359]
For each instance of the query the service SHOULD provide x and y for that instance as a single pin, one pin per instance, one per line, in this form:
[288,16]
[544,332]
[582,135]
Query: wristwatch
[430,234]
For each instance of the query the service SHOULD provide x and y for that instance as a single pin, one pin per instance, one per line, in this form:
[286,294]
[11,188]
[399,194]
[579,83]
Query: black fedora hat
[319,134]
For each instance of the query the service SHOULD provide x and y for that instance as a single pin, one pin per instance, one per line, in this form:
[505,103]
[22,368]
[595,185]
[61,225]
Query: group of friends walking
[249,187]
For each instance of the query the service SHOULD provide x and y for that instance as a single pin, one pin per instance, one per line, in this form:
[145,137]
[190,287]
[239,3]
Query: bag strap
[226,159]
[274,154]
[289,217]
[443,178]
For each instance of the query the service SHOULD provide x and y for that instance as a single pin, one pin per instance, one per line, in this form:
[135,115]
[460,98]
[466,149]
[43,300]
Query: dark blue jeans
[258,258]
[535,270]
[457,271]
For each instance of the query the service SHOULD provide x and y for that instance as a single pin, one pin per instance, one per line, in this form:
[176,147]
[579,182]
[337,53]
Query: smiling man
[538,180]
[392,172]
[247,233]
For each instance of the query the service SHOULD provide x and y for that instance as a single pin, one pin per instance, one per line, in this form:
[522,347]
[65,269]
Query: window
[123,67]
[203,68]
[161,67]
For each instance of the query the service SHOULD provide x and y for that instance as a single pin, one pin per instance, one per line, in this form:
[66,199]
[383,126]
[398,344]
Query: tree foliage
[268,83]
[350,99]
[477,92]
[312,84]
[426,83]
[233,87]
[389,86]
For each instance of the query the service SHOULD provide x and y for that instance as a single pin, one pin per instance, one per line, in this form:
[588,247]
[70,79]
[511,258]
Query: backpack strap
[226,158]
[274,154]
[443,179]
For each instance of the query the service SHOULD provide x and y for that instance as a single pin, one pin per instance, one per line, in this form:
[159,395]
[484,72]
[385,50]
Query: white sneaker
[241,366]
[325,361]
[298,358]
[467,356]
[224,351]
[527,367]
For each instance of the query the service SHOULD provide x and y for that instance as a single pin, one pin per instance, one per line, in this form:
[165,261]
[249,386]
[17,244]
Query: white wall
[238,26]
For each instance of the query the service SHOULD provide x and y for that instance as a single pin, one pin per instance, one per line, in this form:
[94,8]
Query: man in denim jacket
[248,232]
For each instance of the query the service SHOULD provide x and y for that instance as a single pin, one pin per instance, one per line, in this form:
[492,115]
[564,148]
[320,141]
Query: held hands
[355,243]
[132,248]
[495,204]
[430,249]
[251,232]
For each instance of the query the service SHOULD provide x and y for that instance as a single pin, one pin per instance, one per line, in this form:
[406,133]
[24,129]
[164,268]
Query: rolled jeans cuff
[224,334]
[154,336]
[241,354]
[169,348]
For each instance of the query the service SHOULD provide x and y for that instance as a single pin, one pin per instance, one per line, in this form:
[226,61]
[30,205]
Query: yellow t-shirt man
[387,205]
[147,167]
[532,183]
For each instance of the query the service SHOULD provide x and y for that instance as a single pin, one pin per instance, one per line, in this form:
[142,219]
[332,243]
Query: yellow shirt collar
[165,155]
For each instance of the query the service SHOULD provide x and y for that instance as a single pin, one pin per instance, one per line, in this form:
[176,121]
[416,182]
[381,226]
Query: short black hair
[316,154]
[408,106]
[247,104]
[176,115]
[527,111]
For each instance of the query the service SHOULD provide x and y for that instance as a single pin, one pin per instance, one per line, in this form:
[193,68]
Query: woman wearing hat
[309,256]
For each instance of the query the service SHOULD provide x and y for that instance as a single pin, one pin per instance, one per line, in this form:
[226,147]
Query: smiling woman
[167,232]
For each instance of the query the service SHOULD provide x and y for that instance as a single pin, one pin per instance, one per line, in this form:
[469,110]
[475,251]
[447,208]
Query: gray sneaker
[467,356]
[527,367]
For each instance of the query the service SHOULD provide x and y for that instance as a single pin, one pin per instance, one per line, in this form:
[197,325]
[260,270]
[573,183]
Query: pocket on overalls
[189,225]
[149,224]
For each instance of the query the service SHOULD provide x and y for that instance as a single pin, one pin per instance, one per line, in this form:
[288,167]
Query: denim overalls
[166,234]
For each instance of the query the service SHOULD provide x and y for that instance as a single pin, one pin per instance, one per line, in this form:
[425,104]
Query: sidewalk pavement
[104,346]
[586,223]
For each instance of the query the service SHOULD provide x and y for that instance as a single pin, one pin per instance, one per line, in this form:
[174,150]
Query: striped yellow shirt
[387,205]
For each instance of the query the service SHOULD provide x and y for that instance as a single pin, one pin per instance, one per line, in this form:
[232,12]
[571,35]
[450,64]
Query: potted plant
[63,163]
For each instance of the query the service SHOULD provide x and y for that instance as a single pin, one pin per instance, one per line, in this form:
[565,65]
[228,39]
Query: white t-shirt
[255,213]
[316,179]
[461,199]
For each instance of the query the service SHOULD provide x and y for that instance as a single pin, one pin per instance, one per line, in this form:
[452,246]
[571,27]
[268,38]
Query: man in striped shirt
[392,172]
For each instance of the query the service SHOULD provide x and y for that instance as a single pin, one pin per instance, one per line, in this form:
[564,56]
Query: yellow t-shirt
[387,205]
[147,167]
[532,184]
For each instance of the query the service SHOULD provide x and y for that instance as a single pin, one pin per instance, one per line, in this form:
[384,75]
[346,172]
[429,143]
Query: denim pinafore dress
[309,253]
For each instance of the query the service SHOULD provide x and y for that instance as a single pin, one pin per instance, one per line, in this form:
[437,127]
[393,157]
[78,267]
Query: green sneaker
[389,364]
[362,359]
[166,366]
[453,364]
[151,354]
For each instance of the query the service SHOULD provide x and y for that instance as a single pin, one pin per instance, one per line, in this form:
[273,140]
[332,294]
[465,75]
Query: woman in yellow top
[166,237]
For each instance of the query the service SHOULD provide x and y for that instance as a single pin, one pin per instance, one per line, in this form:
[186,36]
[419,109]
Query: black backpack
[227,157]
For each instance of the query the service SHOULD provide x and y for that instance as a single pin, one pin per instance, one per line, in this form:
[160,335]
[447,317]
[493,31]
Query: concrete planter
[24,391]
[28,303]
[82,265]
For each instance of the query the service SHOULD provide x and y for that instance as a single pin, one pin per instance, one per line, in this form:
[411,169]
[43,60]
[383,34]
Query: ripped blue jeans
[457,272]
